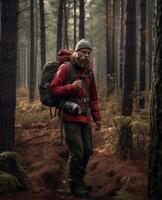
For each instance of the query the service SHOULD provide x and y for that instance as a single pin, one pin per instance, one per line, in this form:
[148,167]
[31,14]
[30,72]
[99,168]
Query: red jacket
[59,88]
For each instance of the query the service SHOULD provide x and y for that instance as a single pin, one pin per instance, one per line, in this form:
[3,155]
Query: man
[78,129]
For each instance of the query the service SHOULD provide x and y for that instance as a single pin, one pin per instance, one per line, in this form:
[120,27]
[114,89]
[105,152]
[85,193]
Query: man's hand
[98,125]
[77,84]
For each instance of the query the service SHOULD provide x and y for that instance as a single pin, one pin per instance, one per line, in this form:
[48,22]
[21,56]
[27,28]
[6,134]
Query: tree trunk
[59,25]
[155,159]
[130,58]
[66,26]
[36,38]
[142,53]
[113,72]
[110,67]
[122,33]
[107,44]
[19,59]
[75,20]
[81,20]
[42,34]
[150,40]
[117,43]
[32,77]
[8,67]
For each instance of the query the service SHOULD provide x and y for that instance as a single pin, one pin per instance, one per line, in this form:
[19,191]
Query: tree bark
[32,77]
[81,20]
[143,53]
[42,34]
[75,20]
[113,41]
[8,67]
[107,44]
[130,58]
[155,158]
[122,33]
[110,67]
[66,25]
[59,25]
[150,38]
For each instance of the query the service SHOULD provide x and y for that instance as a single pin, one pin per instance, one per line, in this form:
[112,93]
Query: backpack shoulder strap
[71,72]
[90,74]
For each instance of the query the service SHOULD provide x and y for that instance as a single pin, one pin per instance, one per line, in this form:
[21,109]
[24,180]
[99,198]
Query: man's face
[84,54]
[83,57]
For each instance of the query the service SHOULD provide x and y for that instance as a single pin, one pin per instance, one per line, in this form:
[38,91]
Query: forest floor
[45,160]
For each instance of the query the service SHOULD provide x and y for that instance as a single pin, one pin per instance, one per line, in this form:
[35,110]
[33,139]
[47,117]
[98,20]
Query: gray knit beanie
[83,44]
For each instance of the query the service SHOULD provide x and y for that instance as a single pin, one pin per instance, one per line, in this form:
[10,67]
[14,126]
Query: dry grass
[27,113]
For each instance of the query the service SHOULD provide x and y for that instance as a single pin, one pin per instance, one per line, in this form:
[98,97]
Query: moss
[10,167]
[140,127]
[8,183]
[123,195]
[37,165]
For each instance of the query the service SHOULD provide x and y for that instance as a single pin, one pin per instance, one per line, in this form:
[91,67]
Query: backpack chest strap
[84,100]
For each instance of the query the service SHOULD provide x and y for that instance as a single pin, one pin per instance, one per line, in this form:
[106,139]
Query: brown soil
[45,159]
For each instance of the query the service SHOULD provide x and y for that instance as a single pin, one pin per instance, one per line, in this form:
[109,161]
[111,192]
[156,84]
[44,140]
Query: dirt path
[46,159]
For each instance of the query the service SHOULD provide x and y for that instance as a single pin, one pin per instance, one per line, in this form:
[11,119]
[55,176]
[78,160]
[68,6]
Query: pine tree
[8,67]
[155,159]
[130,58]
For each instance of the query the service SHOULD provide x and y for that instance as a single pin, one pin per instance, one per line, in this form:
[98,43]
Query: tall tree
[117,43]
[109,65]
[155,159]
[122,32]
[75,20]
[81,20]
[8,67]
[113,73]
[107,43]
[23,41]
[66,25]
[59,25]
[150,35]
[142,52]
[130,58]
[32,76]
[36,38]
[42,34]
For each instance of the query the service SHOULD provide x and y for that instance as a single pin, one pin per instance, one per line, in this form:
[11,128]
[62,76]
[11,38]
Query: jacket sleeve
[94,106]
[58,85]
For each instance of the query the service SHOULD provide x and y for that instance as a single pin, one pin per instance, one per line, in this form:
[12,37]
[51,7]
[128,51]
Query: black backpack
[48,74]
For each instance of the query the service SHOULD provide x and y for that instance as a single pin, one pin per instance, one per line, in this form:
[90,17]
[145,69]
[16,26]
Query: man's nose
[86,55]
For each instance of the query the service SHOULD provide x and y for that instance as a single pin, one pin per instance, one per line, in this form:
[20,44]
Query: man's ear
[75,54]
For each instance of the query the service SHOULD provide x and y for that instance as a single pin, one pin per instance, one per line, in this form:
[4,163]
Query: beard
[82,62]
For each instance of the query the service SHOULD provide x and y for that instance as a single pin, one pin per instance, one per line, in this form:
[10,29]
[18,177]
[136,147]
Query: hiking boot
[79,191]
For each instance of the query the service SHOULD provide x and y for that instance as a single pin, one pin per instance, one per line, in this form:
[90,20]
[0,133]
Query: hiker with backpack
[74,85]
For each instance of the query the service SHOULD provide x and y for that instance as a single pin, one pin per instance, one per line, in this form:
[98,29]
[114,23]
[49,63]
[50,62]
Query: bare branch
[20,11]
[34,138]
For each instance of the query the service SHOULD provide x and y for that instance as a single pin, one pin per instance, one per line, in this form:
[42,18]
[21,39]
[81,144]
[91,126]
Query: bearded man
[80,107]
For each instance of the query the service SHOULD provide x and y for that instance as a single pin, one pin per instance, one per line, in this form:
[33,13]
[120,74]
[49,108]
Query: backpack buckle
[85,100]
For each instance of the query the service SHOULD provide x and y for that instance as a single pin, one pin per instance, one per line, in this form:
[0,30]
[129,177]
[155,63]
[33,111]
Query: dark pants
[78,137]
